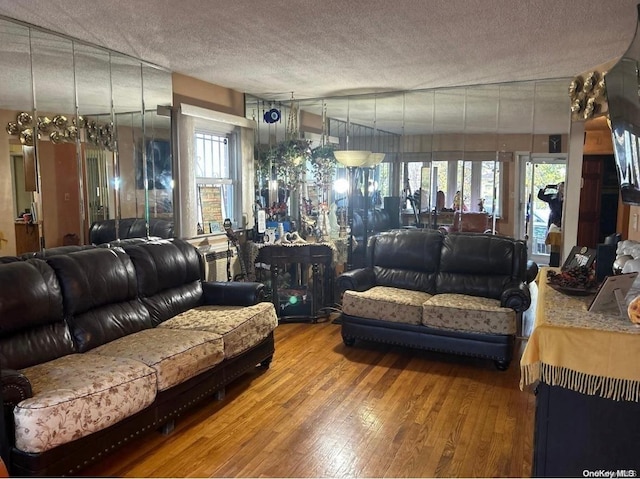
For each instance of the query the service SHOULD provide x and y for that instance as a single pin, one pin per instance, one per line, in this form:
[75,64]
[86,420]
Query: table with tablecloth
[591,353]
[586,371]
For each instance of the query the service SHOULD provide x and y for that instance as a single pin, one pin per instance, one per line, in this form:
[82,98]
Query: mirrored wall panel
[450,149]
[87,143]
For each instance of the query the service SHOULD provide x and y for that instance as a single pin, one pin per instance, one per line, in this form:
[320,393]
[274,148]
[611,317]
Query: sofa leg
[348,340]
[219,394]
[167,428]
[502,365]
[266,363]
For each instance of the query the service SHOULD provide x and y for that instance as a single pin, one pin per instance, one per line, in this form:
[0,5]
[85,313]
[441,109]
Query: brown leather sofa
[100,345]
[459,293]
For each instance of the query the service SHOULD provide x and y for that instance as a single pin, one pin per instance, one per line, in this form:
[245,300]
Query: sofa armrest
[14,387]
[232,293]
[532,271]
[516,296]
[359,279]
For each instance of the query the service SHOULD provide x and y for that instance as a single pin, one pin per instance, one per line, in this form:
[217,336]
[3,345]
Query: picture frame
[158,165]
[611,293]
[579,256]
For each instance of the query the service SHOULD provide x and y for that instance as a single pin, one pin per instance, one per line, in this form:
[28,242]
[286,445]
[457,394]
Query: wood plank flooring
[327,410]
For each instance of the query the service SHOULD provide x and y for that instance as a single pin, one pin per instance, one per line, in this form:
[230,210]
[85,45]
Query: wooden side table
[302,256]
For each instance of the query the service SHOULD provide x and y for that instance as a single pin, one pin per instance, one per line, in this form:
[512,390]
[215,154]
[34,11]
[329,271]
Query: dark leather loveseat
[460,292]
[102,344]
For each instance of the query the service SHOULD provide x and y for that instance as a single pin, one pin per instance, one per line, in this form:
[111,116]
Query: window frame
[233,211]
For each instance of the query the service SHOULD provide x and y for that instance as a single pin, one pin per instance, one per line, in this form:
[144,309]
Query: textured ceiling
[336,47]
[319,49]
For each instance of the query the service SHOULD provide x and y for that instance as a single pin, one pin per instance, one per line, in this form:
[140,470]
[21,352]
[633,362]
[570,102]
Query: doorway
[536,172]
[22,197]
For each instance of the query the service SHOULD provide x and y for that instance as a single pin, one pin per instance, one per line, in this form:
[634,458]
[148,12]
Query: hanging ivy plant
[262,164]
[323,162]
[290,159]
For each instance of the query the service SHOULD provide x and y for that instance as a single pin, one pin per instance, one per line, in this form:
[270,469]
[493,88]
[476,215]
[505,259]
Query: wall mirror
[460,142]
[87,139]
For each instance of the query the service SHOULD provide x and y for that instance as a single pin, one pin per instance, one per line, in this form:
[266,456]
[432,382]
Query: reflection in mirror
[57,165]
[157,144]
[417,145]
[465,136]
[81,103]
[16,96]
[129,158]
[93,91]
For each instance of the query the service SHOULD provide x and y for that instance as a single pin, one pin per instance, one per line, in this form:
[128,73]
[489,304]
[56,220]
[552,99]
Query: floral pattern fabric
[78,394]
[471,314]
[386,303]
[241,327]
[175,355]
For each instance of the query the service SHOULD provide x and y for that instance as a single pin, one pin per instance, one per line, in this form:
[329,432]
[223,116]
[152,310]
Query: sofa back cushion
[406,259]
[169,277]
[480,264]
[32,326]
[48,252]
[104,231]
[100,294]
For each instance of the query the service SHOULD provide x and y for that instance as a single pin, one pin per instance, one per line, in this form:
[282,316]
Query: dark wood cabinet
[305,294]
[598,200]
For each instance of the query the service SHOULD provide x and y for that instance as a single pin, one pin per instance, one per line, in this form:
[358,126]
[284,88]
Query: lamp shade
[352,157]
[374,159]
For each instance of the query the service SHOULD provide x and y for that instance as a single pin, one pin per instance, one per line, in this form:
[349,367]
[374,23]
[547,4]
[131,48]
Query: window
[213,169]
[214,162]
[490,186]
[478,182]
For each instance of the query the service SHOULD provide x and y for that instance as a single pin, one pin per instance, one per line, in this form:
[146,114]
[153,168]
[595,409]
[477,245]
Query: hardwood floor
[327,410]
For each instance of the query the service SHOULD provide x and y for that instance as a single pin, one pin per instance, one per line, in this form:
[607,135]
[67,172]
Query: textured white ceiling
[335,47]
[318,49]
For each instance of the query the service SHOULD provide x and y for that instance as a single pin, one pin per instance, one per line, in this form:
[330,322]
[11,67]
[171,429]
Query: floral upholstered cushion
[471,314]
[241,327]
[175,355]
[385,303]
[78,394]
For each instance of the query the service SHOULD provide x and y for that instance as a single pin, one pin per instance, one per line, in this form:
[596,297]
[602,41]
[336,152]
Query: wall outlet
[635,222]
